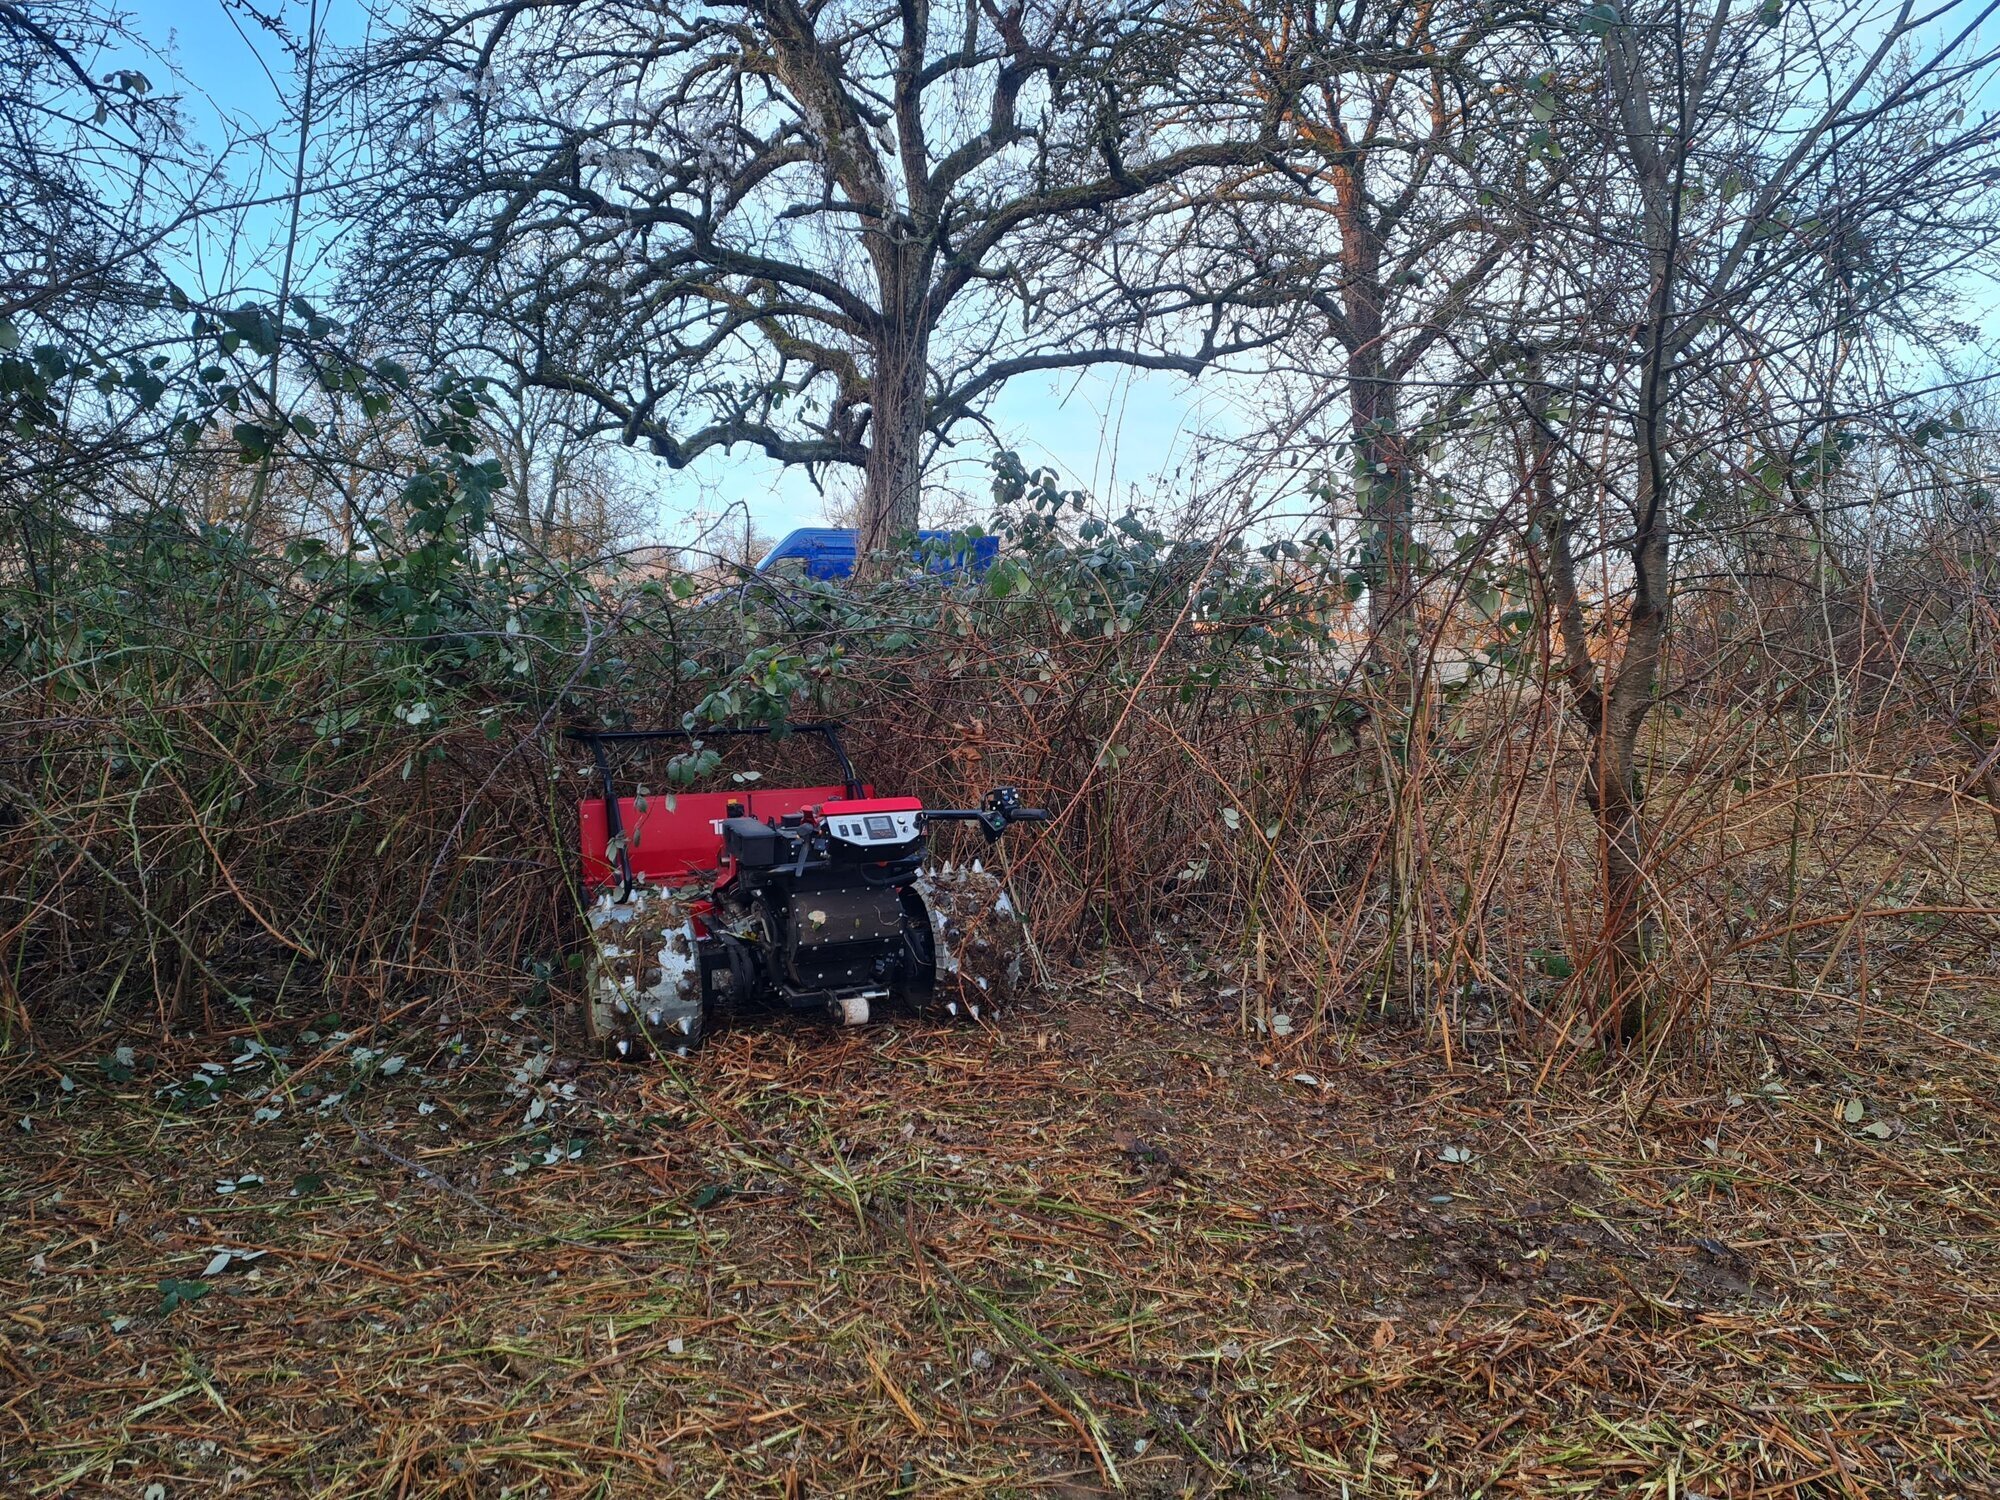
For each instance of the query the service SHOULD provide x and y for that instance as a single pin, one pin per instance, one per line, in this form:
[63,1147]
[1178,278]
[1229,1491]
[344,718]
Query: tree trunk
[1613,716]
[1382,500]
[524,509]
[1381,453]
[1631,930]
[892,492]
[1630,927]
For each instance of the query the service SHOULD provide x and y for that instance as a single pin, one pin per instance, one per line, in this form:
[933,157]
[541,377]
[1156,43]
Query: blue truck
[826,552]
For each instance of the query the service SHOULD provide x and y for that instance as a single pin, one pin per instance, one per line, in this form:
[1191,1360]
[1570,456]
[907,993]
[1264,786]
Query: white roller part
[854,1010]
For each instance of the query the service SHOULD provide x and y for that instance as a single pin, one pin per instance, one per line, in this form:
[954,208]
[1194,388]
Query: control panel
[868,828]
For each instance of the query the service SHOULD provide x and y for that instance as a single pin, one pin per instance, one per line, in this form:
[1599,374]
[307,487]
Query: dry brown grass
[1109,1245]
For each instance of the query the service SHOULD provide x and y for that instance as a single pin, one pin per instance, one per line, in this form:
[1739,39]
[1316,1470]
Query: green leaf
[119,1066]
[1852,1111]
[252,441]
[335,721]
[175,1294]
[253,325]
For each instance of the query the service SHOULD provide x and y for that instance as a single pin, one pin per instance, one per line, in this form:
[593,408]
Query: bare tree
[1383,186]
[827,230]
[74,224]
[99,188]
[562,495]
[1769,187]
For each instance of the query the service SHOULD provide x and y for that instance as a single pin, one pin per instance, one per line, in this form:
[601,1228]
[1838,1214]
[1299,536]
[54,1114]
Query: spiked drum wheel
[978,945]
[643,996]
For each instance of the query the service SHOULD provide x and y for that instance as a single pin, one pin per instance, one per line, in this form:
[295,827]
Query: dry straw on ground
[1109,1245]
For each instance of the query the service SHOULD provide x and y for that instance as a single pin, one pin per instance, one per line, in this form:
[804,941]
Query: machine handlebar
[996,810]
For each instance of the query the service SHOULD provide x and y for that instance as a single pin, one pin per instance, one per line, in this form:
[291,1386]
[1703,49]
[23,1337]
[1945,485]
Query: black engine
[815,916]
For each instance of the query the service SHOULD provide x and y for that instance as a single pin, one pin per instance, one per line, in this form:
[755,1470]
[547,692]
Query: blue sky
[1113,433]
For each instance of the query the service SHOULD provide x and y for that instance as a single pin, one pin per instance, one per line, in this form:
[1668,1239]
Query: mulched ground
[1112,1245]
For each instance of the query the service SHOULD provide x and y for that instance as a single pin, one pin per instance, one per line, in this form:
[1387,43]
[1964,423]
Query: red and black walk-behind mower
[816,898]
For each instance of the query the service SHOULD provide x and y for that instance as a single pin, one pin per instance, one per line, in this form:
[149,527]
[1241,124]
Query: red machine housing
[678,844]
